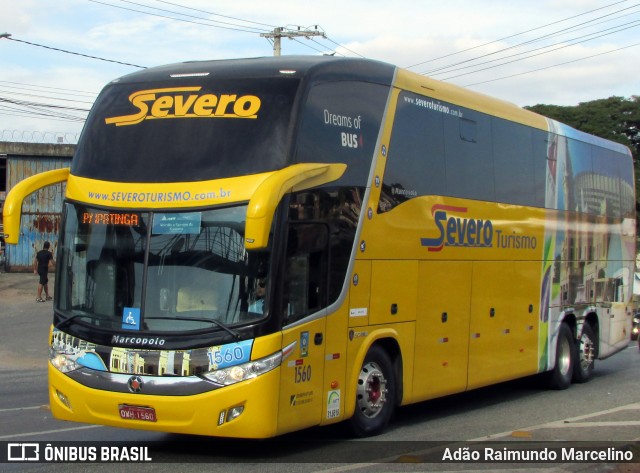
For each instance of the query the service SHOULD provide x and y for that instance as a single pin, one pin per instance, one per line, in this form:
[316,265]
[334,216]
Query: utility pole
[4,35]
[279,33]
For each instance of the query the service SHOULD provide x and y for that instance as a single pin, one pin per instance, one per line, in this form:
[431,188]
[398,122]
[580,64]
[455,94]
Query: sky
[559,52]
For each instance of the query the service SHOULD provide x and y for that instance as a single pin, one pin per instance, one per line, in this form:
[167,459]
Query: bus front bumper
[244,410]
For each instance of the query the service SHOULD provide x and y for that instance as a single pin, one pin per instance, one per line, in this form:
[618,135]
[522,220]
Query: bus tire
[586,355]
[375,394]
[562,374]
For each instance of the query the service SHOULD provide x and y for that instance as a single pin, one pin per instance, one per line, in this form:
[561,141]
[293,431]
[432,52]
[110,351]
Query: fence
[18,136]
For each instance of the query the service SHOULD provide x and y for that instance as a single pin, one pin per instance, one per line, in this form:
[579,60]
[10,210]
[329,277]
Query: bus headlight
[249,370]
[62,362]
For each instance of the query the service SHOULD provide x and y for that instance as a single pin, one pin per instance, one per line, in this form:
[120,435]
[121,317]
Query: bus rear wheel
[583,370]
[375,394]
[562,374]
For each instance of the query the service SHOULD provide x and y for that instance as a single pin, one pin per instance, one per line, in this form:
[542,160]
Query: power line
[43,96]
[36,112]
[48,89]
[36,104]
[233,28]
[555,65]
[312,40]
[8,36]
[514,35]
[344,47]
[271,32]
[302,43]
[190,16]
[216,14]
[30,109]
[38,117]
[564,46]
[531,41]
[581,26]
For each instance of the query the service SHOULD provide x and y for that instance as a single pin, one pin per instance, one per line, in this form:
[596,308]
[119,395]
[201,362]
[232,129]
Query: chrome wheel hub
[372,390]
[587,351]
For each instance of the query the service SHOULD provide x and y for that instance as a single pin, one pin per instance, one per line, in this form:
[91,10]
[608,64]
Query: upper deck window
[340,123]
[187,130]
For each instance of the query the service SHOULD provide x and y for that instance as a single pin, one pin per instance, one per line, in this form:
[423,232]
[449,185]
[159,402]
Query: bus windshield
[159,271]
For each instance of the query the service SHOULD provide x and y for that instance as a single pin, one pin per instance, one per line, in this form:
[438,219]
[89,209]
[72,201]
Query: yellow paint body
[196,414]
[461,317]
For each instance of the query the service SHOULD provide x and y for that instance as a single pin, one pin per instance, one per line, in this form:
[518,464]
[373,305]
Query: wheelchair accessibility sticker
[131,318]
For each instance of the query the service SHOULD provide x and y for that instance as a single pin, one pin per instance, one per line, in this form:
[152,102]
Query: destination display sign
[110,218]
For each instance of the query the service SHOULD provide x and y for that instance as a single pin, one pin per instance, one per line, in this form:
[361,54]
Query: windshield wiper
[224,327]
[69,319]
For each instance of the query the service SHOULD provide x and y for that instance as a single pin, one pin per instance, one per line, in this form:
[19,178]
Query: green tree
[615,118]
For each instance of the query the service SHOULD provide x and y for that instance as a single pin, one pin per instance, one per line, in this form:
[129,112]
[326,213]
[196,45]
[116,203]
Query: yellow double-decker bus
[252,247]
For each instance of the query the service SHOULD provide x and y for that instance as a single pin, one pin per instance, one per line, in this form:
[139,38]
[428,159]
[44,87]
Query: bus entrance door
[304,290]
[301,378]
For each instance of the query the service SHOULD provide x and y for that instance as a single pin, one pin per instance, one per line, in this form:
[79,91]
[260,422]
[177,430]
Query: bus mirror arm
[13,204]
[267,196]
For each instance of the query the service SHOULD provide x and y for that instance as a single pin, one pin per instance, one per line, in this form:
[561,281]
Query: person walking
[41,263]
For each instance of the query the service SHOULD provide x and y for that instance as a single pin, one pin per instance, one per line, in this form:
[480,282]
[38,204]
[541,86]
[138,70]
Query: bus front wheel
[561,375]
[375,394]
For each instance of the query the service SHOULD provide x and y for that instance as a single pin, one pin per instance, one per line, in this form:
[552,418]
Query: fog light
[234,413]
[64,399]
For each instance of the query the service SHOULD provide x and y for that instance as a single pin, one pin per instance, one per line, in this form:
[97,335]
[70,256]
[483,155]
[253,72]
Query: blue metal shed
[41,211]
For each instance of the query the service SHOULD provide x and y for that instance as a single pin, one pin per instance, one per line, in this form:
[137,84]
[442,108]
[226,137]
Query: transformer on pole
[280,32]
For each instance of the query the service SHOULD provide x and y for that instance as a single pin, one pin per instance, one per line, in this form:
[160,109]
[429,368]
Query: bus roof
[319,67]
[328,68]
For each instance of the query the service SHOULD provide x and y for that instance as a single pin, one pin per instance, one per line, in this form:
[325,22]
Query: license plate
[137,413]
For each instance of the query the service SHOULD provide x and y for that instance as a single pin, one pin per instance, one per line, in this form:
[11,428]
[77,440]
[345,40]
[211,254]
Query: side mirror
[269,193]
[13,204]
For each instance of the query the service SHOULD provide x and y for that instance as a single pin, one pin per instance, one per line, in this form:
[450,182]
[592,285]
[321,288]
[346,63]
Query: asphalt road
[603,411]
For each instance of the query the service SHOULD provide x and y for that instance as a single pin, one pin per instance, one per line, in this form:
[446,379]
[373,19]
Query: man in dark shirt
[41,267]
